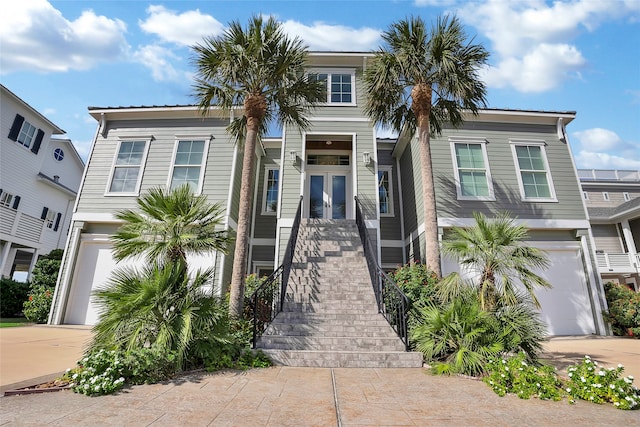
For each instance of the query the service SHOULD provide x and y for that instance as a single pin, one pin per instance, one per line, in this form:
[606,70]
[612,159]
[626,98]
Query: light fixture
[366,158]
[329,142]
[293,157]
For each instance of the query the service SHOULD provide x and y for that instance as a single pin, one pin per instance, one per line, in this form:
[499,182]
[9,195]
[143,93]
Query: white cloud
[321,36]
[530,39]
[598,139]
[185,28]
[435,3]
[36,37]
[159,60]
[590,160]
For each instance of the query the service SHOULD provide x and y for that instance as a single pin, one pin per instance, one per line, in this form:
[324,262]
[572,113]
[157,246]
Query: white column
[59,302]
[34,259]
[628,236]
[4,256]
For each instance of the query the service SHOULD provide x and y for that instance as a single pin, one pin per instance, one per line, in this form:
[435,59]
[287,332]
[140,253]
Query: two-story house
[612,198]
[518,161]
[39,180]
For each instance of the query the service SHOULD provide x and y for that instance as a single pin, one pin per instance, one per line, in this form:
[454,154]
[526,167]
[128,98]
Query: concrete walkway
[282,396]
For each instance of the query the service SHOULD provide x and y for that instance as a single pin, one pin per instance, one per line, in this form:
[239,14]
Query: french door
[328,195]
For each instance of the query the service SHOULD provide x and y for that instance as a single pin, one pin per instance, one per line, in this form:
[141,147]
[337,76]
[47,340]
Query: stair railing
[393,304]
[268,300]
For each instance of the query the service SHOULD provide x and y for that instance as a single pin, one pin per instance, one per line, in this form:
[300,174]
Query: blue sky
[583,55]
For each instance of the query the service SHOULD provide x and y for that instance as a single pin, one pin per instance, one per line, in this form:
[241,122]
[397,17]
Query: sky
[582,55]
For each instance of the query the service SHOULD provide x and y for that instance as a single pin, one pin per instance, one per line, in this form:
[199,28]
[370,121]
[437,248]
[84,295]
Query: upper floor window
[385,192]
[626,196]
[24,133]
[271,188]
[605,196]
[188,164]
[534,177]
[585,195]
[51,218]
[58,154]
[9,200]
[473,178]
[339,86]
[128,165]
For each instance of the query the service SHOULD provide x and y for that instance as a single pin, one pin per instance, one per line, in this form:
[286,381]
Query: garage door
[566,308]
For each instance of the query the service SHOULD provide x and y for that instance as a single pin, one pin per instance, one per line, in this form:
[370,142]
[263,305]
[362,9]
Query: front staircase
[330,316]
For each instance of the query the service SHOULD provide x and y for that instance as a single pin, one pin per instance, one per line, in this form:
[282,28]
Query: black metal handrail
[268,300]
[393,304]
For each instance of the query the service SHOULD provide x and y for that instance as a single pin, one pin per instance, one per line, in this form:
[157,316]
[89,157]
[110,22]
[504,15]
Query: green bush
[418,283]
[12,296]
[36,308]
[624,309]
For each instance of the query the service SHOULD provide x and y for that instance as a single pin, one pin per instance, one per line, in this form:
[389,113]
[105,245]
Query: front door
[327,195]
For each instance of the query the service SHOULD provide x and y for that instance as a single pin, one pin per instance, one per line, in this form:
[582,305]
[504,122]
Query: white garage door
[566,308]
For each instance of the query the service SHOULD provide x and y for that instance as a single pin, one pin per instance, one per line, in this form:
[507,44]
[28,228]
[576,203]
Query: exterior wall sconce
[293,157]
[366,158]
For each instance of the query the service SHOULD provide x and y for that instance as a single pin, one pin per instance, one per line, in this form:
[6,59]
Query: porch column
[34,259]
[4,256]
[59,302]
[628,237]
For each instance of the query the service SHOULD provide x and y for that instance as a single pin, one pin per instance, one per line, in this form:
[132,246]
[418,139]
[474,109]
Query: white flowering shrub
[98,373]
[591,382]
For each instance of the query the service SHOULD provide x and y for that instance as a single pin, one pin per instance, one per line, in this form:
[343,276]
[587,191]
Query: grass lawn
[8,322]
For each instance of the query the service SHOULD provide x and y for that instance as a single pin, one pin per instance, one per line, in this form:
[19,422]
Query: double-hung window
[533,173]
[271,189]
[126,173]
[6,199]
[385,191]
[189,163]
[473,177]
[25,133]
[339,87]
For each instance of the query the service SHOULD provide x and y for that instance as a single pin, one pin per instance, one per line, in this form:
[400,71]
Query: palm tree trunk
[236,297]
[421,105]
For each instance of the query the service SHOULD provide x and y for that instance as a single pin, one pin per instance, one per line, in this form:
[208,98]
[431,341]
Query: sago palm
[168,225]
[260,71]
[496,250]
[418,82]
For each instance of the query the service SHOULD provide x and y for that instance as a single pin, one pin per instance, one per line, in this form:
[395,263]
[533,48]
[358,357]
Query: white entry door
[328,195]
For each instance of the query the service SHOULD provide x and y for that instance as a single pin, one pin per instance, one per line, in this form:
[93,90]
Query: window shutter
[16,202]
[45,211]
[36,144]
[55,227]
[15,128]
[0,191]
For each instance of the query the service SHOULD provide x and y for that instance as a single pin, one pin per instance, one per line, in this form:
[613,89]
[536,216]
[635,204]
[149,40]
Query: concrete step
[345,359]
[311,342]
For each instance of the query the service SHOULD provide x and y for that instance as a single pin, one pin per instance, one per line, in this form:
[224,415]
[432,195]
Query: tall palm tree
[168,225]
[418,82]
[263,70]
[497,251]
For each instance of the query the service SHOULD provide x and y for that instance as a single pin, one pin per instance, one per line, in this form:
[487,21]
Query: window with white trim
[50,218]
[128,165]
[188,164]
[473,178]
[605,196]
[534,177]
[385,190]
[6,199]
[626,196]
[585,195]
[27,133]
[271,189]
[339,85]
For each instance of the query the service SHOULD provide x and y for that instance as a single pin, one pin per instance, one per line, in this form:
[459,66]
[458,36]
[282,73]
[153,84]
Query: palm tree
[496,250]
[418,82]
[168,225]
[263,70]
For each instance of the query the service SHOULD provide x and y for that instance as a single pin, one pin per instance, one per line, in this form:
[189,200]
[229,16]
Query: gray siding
[263,253]
[503,171]
[606,238]
[391,256]
[265,225]
[411,188]
[390,227]
[158,163]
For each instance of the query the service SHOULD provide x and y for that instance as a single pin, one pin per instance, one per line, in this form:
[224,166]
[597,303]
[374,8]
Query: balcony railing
[618,263]
[608,175]
[20,225]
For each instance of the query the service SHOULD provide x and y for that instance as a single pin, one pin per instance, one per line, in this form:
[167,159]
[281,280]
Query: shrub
[624,309]
[45,272]
[590,382]
[12,296]
[515,375]
[36,308]
[418,283]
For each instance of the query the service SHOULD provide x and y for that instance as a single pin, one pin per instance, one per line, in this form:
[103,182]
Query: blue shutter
[15,128]
[16,202]
[36,144]
[45,211]
[55,227]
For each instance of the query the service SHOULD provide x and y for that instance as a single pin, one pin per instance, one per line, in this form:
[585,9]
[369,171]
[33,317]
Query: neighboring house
[612,198]
[39,181]
[518,161]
